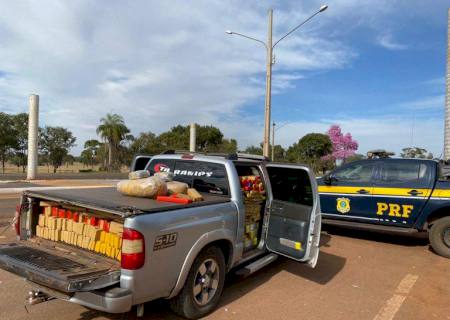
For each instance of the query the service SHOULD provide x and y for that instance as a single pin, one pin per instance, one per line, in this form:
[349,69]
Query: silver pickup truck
[180,252]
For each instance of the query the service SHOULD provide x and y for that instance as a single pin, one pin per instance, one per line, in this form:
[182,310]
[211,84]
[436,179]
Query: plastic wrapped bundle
[175,187]
[140,174]
[146,188]
[164,176]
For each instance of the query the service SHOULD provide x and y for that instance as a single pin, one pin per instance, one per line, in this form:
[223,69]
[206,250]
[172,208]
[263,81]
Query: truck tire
[439,235]
[203,287]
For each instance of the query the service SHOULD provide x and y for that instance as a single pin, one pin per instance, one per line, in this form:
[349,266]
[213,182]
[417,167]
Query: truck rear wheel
[439,235]
[204,284]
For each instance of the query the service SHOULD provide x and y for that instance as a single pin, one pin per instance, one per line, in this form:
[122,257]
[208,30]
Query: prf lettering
[394,210]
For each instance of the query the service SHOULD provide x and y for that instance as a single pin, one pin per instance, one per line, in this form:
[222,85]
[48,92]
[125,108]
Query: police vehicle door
[349,193]
[401,190]
[294,222]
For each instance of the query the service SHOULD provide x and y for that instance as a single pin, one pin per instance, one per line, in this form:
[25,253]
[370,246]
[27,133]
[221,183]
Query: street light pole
[269,47]
[268,87]
[273,137]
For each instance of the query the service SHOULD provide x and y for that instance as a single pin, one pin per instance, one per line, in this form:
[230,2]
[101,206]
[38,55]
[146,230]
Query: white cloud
[427,103]
[387,41]
[163,63]
[156,63]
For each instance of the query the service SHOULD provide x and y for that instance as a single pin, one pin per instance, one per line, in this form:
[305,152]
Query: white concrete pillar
[33,125]
[447,98]
[192,137]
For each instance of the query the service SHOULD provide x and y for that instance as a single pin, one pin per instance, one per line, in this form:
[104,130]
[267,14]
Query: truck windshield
[203,176]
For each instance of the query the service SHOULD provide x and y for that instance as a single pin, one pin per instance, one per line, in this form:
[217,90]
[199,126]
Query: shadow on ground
[328,267]
[415,239]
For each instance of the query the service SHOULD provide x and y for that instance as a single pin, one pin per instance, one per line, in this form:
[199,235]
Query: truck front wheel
[204,284]
[439,235]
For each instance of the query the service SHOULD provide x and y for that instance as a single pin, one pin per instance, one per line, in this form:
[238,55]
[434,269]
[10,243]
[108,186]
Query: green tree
[279,153]
[113,131]
[146,143]
[90,156]
[254,150]
[20,123]
[354,157]
[209,139]
[227,146]
[55,143]
[415,152]
[8,139]
[310,149]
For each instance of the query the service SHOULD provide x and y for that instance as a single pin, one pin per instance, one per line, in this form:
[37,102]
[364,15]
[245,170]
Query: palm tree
[112,130]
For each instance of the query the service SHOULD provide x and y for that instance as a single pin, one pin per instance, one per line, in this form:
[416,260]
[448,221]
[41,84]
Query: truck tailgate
[59,269]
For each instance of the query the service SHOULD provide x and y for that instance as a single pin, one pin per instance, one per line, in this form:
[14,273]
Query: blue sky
[376,68]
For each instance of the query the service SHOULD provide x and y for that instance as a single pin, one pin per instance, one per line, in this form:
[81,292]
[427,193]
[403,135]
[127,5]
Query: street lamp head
[323,8]
[229,32]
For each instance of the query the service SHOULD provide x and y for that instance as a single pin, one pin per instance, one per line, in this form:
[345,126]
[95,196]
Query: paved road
[359,276]
[57,176]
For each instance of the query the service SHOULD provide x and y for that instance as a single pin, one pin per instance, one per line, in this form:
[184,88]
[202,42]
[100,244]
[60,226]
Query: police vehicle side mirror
[329,178]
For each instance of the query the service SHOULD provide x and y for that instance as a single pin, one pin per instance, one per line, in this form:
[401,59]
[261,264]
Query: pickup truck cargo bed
[111,201]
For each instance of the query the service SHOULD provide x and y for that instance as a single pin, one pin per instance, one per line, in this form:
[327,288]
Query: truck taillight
[16,221]
[133,249]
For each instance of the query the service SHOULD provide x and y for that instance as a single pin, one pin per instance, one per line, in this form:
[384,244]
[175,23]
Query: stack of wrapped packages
[160,186]
[86,230]
[80,229]
[254,197]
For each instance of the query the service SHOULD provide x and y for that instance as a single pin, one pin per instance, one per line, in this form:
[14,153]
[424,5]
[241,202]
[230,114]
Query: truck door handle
[362,191]
[415,192]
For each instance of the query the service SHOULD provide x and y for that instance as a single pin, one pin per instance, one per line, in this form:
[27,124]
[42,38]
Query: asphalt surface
[68,175]
[360,275]
[19,184]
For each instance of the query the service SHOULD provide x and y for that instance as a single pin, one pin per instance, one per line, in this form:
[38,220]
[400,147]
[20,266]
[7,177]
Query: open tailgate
[59,269]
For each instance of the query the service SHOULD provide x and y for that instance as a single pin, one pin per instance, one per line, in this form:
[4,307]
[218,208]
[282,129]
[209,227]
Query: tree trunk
[104,156]
[54,169]
[110,156]
[3,164]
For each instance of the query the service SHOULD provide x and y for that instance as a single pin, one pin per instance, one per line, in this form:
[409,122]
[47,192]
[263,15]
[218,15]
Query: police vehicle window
[360,172]
[160,165]
[291,185]
[403,172]
[203,176]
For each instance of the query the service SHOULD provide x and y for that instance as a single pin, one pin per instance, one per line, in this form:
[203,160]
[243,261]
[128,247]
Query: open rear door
[294,221]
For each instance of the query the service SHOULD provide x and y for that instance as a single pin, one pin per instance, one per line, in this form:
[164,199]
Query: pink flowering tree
[343,144]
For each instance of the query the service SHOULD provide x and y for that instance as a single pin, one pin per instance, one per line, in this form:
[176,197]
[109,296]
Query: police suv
[401,195]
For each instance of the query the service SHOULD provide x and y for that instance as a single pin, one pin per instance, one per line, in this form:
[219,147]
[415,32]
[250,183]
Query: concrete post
[273,141]
[266,141]
[192,137]
[33,125]
[447,98]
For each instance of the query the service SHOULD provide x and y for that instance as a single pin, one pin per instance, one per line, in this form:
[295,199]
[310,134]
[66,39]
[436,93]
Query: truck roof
[213,157]
[396,159]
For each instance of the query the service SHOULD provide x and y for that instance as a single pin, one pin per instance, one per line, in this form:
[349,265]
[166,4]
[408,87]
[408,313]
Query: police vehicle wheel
[439,235]
[204,284]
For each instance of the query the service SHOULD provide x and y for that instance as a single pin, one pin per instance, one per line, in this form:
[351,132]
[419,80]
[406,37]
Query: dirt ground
[360,275]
